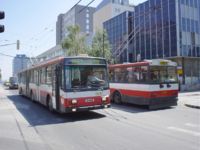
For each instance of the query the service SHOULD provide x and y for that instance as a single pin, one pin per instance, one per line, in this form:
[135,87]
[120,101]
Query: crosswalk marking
[194,133]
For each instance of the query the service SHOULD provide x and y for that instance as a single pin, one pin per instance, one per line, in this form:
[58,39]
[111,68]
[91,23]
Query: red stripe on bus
[147,94]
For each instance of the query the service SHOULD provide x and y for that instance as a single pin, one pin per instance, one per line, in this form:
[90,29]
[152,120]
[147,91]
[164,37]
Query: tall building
[78,15]
[20,62]
[108,9]
[118,30]
[162,29]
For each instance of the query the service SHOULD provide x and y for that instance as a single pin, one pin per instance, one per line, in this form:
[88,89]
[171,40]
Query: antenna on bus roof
[83,55]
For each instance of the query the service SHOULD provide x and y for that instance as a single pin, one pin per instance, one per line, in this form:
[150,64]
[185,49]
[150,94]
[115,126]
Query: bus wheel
[49,104]
[20,91]
[117,98]
[32,97]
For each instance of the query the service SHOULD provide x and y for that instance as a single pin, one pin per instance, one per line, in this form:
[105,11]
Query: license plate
[98,93]
[89,100]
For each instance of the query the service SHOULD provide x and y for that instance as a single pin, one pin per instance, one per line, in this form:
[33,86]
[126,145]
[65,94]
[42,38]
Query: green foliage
[75,42]
[100,45]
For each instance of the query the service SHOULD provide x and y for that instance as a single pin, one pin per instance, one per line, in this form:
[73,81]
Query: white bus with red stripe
[151,82]
[67,84]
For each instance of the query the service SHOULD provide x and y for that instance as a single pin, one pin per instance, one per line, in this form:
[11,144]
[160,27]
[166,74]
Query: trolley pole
[103,45]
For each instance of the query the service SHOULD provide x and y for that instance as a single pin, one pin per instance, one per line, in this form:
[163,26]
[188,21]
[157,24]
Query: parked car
[13,83]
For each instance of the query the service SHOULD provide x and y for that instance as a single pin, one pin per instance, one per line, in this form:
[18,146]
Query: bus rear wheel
[117,98]
[49,104]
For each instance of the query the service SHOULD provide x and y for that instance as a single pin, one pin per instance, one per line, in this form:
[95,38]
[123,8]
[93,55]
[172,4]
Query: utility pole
[103,45]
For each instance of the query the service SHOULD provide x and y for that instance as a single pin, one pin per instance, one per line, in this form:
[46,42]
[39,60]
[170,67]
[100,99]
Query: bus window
[121,75]
[154,76]
[136,74]
[67,77]
[163,74]
[144,74]
[75,77]
[130,78]
[172,76]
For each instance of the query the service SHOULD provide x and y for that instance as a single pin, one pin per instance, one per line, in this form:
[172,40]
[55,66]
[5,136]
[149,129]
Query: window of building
[87,21]
[48,75]
[87,15]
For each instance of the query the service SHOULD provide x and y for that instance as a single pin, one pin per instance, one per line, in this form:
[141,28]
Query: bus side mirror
[161,86]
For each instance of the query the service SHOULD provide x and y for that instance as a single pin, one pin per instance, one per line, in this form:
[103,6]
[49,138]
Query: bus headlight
[104,98]
[74,101]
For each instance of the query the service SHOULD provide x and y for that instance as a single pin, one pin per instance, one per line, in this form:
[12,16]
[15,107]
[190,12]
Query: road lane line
[192,125]
[184,131]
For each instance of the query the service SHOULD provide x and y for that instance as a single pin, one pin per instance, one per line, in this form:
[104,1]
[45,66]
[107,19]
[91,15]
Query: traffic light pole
[17,44]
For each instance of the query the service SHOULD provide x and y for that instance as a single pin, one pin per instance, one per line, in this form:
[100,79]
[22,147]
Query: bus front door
[56,88]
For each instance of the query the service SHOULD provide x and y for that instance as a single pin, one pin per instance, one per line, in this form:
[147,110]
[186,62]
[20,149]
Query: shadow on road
[36,114]
[131,108]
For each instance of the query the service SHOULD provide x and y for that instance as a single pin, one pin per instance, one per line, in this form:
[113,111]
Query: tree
[100,45]
[75,41]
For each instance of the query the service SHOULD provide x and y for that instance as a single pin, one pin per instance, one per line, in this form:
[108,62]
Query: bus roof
[60,59]
[153,62]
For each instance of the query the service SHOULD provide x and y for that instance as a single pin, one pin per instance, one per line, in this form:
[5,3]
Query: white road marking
[192,125]
[194,133]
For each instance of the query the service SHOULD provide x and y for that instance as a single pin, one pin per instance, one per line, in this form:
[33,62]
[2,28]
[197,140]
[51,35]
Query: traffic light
[2,16]
[18,44]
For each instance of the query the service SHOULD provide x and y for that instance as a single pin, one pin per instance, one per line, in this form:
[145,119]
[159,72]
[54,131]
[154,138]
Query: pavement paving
[190,99]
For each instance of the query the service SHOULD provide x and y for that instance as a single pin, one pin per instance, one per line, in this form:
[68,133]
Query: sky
[33,22]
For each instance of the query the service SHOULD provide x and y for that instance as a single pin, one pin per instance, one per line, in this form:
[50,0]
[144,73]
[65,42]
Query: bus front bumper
[85,108]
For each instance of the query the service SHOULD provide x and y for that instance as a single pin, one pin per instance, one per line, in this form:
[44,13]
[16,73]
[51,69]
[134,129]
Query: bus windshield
[163,74]
[86,77]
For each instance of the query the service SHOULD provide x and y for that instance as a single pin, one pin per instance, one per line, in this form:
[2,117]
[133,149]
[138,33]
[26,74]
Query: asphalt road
[29,126]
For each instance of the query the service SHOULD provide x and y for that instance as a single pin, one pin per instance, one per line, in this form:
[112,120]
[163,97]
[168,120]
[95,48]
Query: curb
[192,106]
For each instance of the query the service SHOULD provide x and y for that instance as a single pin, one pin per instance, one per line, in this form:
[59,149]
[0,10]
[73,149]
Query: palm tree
[75,41]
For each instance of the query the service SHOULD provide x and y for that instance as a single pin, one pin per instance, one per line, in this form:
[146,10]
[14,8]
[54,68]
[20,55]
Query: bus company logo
[89,100]
[99,93]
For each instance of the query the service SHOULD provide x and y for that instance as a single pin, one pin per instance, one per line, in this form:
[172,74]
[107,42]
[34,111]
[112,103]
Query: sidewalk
[190,99]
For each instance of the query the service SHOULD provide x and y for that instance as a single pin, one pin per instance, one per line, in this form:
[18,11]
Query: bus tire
[117,98]
[20,91]
[32,96]
[49,103]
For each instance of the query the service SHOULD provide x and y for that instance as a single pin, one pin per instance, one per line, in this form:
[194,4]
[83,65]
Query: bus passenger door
[56,87]
[38,85]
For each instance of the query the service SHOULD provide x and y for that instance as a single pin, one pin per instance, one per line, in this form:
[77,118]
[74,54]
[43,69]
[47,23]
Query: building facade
[118,30]
[108,9]
[162,29]
[20,62]
[78,15]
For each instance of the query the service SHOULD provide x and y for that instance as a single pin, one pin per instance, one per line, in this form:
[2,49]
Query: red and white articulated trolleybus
[151,82]
[68,84]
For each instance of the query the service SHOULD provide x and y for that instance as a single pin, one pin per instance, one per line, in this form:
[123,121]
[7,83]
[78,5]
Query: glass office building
[160,29]
[118,29]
